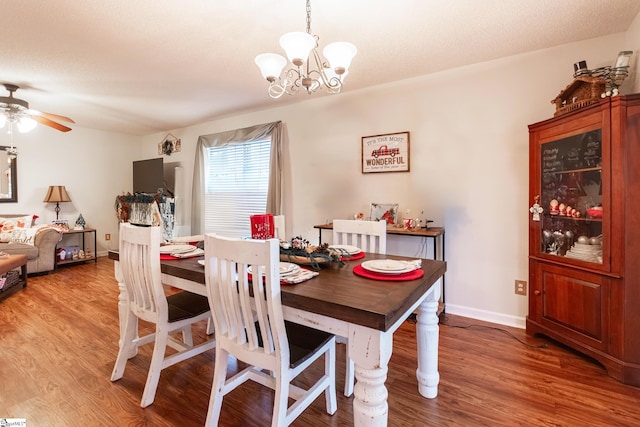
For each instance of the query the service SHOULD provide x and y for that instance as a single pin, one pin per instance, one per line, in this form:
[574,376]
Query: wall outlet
[521,287]
[107,237]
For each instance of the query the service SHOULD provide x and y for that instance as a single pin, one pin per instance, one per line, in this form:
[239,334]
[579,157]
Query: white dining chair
[278,224]
[369,236]
[139,252]
[250,326]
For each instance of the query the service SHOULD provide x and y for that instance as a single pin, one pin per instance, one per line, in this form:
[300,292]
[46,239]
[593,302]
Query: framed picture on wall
[385,153]
[384,211]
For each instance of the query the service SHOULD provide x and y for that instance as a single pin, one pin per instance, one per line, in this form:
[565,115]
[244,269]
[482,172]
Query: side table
[81,239]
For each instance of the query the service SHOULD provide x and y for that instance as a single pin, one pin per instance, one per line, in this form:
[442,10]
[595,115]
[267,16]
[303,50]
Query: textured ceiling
[145,66]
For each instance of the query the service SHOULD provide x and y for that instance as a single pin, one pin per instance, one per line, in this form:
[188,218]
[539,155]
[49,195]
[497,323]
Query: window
[237,173]
[236,186]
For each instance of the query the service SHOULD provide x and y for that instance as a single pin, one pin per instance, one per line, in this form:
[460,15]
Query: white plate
[385,264]
[406,270]
[388,266]
[176,249]
[291,272]
[286,269]
[351,250]
[201,262]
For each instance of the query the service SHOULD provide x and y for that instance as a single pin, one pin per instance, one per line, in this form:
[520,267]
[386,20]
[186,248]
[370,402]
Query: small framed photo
[62,224]
[385,153]
[384,211]
[169,145]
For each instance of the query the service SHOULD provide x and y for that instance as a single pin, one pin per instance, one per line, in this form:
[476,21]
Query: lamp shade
[57,193]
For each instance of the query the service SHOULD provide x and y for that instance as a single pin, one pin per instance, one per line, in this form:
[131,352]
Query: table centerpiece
[299,251]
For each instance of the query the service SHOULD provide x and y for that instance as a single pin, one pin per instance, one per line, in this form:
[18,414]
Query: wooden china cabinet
[584,233]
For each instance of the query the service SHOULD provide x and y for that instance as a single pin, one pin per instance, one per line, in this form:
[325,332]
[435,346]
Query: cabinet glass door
[571,196]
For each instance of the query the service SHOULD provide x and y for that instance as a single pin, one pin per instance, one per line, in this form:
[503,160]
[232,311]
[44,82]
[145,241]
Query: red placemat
[411,275]
[171,257]
[354,257]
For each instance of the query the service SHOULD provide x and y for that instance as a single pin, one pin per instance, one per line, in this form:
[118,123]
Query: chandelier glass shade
[308,71]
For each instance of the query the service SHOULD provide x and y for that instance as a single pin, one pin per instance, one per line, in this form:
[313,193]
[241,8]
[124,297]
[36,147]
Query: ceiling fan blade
[47,122]
[51,116]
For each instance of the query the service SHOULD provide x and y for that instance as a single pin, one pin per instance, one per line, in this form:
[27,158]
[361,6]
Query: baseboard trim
[487,316]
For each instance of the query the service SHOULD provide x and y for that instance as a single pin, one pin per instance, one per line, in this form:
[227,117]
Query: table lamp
[57,194]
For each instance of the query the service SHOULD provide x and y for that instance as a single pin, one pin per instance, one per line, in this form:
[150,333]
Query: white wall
[469,162]
[94,166]
[633,43]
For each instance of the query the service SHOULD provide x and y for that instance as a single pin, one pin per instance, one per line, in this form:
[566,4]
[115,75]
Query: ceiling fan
[16,111]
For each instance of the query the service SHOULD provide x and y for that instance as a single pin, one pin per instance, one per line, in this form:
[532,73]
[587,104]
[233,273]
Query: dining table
[344,303]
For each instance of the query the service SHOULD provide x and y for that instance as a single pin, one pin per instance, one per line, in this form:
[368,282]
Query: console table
[436,234]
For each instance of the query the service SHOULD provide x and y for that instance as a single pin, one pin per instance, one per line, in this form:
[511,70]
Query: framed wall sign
[385,153]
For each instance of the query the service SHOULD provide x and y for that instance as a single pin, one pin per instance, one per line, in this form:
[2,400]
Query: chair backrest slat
[139,251]
[370,236]
[278,224]
[243,285]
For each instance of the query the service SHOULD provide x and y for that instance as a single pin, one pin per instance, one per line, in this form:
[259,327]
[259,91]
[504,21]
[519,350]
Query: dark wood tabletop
[337,292]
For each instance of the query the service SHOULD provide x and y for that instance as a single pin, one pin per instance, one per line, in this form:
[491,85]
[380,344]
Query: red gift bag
[262,226]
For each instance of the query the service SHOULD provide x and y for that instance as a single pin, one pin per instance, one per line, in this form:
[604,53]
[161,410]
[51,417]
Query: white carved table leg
[123,305]
[427,339]
[371,351]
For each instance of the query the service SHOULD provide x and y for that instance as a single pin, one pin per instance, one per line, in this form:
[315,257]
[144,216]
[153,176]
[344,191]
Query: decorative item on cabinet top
[581,92]
[590,85]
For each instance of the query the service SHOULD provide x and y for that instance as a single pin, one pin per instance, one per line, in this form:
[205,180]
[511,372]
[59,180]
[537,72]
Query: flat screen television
[148,175]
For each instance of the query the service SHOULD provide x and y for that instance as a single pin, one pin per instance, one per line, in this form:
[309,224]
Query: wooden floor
[59,338]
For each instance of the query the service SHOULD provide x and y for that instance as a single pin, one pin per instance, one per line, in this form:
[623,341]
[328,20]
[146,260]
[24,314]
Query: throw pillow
[24,235]
[7,225]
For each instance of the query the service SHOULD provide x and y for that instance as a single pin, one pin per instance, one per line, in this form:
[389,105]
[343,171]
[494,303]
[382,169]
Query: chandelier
[308,70]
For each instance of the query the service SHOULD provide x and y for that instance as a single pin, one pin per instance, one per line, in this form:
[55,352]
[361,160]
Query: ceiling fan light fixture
[17,112]
[26,124]
[308,70]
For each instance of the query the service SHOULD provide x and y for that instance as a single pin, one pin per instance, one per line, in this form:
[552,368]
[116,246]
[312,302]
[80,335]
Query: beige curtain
[254,133]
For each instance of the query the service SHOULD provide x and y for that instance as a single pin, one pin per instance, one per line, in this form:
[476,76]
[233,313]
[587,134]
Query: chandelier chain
[309,17]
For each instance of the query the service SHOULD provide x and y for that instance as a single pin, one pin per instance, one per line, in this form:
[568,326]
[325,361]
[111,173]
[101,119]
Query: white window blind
[236,185]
